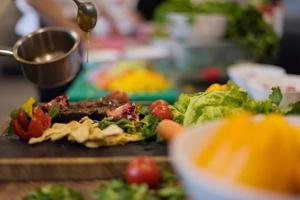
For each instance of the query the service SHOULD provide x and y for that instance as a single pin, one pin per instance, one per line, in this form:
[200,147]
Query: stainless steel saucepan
[48,57]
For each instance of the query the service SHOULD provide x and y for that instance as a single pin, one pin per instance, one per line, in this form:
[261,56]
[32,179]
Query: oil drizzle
[88,38]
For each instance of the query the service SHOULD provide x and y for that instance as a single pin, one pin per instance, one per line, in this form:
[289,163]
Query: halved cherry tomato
[36,128]
[45,118]
[46,121]
[159,102]
[162,112]
[38,112]
[19,131]
[22,119]
[142,170]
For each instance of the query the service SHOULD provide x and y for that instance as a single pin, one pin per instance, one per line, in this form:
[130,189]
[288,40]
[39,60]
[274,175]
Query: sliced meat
[94,109]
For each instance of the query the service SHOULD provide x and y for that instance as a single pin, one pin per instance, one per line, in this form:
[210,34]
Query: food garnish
[261,152]
[27,127]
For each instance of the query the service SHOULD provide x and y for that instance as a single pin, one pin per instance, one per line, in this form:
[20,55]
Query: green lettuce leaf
[293,109]
[276,95]
[210,105]
[214,104]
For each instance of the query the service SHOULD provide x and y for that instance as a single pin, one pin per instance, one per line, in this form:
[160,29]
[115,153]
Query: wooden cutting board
[62,160]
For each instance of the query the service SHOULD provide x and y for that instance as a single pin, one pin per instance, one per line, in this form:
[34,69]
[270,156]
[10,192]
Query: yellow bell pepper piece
[28,106]
[215,87]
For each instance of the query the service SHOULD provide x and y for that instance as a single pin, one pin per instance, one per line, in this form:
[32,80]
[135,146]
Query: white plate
[242,72]
[260,88]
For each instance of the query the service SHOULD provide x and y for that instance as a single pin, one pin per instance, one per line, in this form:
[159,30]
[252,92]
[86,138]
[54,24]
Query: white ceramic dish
[199,184]
[260,88]
[242,72]
[208,28]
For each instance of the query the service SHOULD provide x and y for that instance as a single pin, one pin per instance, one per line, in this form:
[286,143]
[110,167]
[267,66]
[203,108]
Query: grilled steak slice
[94,109]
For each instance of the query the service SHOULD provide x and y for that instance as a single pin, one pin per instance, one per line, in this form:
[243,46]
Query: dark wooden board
[62,160]
[14,148]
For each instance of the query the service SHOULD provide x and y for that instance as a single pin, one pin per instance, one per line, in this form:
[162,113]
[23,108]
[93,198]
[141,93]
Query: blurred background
[190,43]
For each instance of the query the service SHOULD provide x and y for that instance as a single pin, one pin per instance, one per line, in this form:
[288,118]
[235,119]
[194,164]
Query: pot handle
[6,51]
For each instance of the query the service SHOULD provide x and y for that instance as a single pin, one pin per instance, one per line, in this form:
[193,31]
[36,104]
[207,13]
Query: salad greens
[245,24]
[118,189]
[209,105]
[169,189]
[54,192]
[146,125]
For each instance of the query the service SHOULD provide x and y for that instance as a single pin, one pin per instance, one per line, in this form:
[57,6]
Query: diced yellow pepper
[215,87]
[28,106]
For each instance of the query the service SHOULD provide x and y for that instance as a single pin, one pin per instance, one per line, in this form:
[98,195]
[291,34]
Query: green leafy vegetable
[245,24]
[247,28]
[54,110]
[293,109]
[210,105]
[146,126]
[10,130]
[169,189]
[54,192]
[14,114]
[276,95]
[119,190]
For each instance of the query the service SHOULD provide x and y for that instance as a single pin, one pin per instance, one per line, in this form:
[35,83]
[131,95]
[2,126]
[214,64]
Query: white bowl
[242,72]
[260,88]
[208,28]
[198,183]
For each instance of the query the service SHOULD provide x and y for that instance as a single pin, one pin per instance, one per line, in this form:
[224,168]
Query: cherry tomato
[142,170]
[119,96]
[211,74]
[162,112]
[159,103]
[36,128]
[46,121]
[38,112]
[43,117]
[23,120]
[18,130]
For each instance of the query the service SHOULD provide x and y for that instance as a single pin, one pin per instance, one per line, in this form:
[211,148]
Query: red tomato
[46,121]
[211,74]
[159,103]
[36,128]
[18,130]
[23,120]
[119,96]
[162,112]
[43,117]
[38,112]
[142,170]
